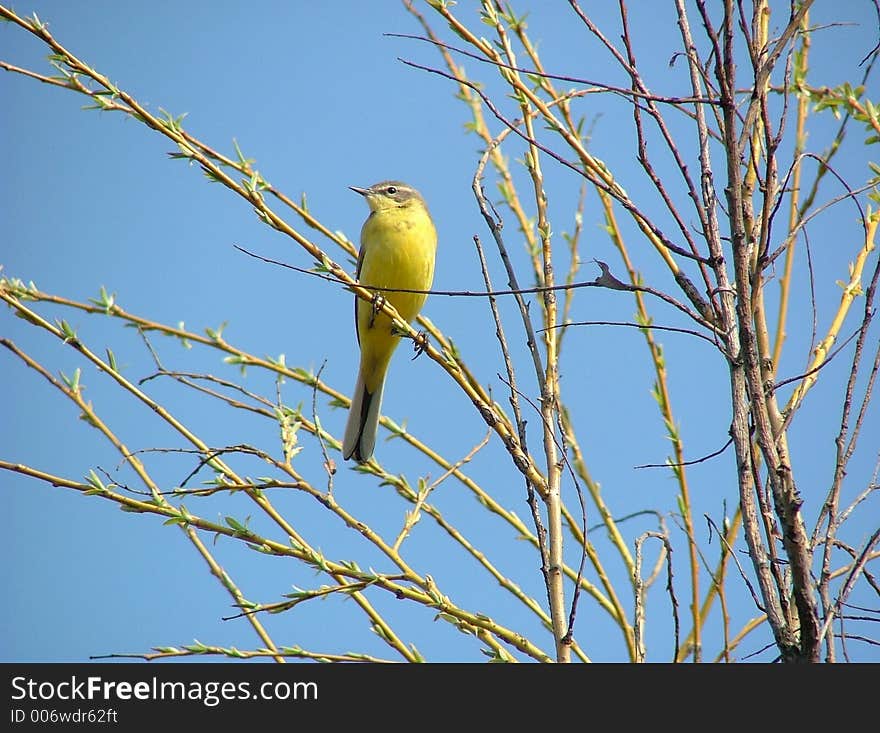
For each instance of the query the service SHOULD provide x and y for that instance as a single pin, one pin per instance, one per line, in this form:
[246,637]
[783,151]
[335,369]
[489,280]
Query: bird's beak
[361,191]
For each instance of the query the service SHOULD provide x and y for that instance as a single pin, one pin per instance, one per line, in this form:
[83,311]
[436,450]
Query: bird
[398,249]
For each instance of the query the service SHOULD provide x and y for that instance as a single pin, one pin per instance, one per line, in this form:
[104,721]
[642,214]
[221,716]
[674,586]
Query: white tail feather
[361,428]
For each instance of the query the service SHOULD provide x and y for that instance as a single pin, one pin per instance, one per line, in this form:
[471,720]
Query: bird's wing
[357,274]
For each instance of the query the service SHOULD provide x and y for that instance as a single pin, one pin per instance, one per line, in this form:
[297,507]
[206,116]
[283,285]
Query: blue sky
[317,95]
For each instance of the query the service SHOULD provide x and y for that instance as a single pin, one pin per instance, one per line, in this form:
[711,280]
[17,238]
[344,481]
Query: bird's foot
[377,303]
[420,343]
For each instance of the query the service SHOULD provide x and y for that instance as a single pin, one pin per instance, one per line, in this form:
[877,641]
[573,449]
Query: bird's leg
[420,343]
[377,303]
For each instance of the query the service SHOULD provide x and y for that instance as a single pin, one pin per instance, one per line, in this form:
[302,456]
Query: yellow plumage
[398,245]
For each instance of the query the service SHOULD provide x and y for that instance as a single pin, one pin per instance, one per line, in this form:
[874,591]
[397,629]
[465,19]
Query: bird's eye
[391,190]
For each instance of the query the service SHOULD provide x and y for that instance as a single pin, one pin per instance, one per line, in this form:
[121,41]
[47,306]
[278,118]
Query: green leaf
[132,509]
[72,382]
[183,340]
[66,330]
[172,122]
[104,300]
[95,481]
[240,155]
[215,335]
[233,523]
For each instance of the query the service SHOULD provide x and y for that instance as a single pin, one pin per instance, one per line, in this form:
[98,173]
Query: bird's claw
[420,343]
[377,302]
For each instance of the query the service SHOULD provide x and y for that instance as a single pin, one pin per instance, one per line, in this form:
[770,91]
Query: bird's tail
[363,421]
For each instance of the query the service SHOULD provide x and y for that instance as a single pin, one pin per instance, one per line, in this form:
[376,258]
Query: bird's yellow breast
[398,248]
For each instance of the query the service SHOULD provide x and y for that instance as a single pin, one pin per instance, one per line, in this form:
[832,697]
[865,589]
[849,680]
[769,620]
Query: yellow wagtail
[398,244]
